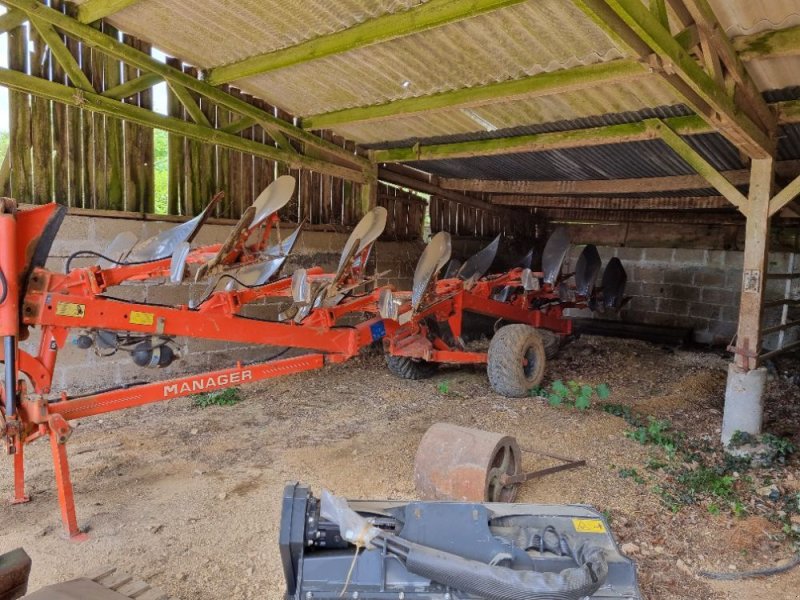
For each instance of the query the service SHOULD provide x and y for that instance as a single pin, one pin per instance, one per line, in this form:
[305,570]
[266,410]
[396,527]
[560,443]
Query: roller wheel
[406,367]
[516,360]
[551,341]
[466,465]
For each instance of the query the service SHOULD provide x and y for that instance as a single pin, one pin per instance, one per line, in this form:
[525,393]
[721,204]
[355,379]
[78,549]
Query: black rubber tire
[405,367]
[508,351]
[552,343]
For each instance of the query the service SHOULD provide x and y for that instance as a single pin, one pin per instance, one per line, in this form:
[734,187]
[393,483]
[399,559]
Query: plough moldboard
[419,328]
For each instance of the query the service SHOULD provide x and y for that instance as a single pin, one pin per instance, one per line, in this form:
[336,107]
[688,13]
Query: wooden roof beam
[611,134]
[422,17]
[200,132]
[577,202]
[595,187]
[335,155]
[90,11]
[701,165]
[541,84]
[94,10]
[750,98]
[631,24]
[549,83]
[579,215]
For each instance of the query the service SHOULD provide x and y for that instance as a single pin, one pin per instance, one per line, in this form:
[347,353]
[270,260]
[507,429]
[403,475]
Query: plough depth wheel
[462,464]
[516,360]
[406,367]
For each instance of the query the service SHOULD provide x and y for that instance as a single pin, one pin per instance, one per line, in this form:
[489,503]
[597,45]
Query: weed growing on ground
[572,394]
[443,387]
[226,397]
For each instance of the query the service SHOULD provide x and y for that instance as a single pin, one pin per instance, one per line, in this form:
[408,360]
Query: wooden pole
[755,264]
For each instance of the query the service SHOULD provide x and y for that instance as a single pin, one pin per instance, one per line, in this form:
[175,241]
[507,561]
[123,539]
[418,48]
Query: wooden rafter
[611,134]
[422,17]
[189,103]
[747,95]
[671,203]
[94,10]
[701,165]
[328,155]
[579,215]
[62,55]
[541,84]
[133,86]
[92,101]
[594,187]
[90,11]
[631,24]
[785,196]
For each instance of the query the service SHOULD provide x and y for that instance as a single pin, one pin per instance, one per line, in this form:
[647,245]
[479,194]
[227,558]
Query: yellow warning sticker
[589,525]
[142,318]
[70,309]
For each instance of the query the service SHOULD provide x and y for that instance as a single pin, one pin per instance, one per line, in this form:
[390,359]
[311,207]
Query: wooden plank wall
[90,161]
[461,219]
[406,213]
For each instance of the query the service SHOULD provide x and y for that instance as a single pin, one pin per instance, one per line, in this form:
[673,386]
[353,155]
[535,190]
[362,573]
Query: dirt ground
[189,498]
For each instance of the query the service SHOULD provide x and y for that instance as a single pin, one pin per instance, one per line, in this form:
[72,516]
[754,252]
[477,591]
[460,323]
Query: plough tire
[516,360]
[406,367]
[552,343]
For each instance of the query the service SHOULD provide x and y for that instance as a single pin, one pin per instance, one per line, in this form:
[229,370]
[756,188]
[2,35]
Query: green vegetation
[443,387]
[631,474]
[572,394]
[226,397]
[4,139]
[693,472]
[656,432]
[161,170]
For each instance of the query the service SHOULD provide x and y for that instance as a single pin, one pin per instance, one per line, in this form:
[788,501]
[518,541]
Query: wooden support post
[369,190]
[745,389]
[755,263]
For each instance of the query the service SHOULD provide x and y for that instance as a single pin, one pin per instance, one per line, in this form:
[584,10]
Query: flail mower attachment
[332,548]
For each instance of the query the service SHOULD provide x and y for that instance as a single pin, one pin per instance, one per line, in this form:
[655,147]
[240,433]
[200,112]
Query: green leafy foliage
[443,387]
[226,397]
[782,447]
[161,170]
[571,393]
[631,474]
[656,432]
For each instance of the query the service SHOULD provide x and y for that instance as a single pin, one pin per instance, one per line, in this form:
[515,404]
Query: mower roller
[332,548]
[78,304]
[424,327]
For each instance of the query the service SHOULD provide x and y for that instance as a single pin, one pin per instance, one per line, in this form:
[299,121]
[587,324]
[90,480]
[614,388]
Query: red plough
[528,306]
[240,271]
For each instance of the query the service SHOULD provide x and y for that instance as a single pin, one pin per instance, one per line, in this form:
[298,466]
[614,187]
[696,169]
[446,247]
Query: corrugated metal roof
[661,112]
[208,33]
[501,45]
[651,158]
[633,96]
[533,37]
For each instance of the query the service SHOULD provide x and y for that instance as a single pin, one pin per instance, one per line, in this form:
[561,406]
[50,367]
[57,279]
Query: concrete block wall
[693,288]
[80,371]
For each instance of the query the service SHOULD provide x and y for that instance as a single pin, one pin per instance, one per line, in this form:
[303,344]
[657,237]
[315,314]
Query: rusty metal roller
[463,464]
